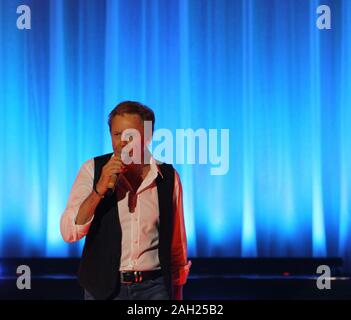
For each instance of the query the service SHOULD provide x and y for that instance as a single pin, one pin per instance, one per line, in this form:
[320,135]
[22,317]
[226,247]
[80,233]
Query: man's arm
[80,192]
[180,263]
[87,208]
[83,200]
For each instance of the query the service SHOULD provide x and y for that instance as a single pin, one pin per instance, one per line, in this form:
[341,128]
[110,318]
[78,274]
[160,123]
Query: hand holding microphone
[109,175]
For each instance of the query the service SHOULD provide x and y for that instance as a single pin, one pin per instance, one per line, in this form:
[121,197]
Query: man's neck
[136,174]
[139,170]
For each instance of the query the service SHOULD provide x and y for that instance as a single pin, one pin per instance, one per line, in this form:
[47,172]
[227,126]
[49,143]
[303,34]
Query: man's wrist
[98,193]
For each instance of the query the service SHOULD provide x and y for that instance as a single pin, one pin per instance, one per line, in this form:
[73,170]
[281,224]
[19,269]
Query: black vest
[99,266]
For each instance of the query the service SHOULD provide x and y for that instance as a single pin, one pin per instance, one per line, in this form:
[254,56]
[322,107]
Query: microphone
[111,185]
[112,181]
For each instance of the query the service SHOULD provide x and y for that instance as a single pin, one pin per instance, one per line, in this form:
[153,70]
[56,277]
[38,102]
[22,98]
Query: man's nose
[123,144]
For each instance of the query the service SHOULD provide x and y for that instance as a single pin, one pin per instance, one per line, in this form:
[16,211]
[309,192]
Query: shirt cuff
[180,274]
[83,228]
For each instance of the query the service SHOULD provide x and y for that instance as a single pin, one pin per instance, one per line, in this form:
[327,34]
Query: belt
[129,277]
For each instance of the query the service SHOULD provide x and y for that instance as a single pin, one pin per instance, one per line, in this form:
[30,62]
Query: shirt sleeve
[82,187]
[180,264]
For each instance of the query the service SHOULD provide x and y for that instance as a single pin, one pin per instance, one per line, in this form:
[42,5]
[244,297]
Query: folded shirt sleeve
[180,264]
[81,189]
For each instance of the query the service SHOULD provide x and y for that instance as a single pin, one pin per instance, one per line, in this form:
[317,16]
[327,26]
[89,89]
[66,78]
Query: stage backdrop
[260,68]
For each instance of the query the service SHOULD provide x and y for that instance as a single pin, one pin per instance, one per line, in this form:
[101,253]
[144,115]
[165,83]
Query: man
[135,244]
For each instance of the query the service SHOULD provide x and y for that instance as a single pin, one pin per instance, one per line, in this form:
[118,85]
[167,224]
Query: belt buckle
[138,277]
[132,277]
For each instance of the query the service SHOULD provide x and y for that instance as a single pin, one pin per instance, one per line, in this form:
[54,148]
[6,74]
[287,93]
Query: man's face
[121,123]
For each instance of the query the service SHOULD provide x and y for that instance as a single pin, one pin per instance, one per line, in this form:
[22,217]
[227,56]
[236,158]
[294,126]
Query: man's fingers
[115,161]
[117,157]
[115,170]
[116,167]
[118,164]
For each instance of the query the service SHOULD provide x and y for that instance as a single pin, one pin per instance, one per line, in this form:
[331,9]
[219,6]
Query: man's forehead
[126,120]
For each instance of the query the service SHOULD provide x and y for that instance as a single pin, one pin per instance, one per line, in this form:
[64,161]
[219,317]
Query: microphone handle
[112,181]
[111,185]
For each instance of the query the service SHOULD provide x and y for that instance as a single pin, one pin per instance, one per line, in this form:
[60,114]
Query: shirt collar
[155,166]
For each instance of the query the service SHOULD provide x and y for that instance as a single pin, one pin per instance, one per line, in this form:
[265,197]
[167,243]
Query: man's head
[129,115]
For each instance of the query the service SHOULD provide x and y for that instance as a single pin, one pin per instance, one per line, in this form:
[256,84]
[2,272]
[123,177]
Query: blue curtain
[260,68]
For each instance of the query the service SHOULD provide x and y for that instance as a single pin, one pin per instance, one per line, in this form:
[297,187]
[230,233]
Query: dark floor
[210,278]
